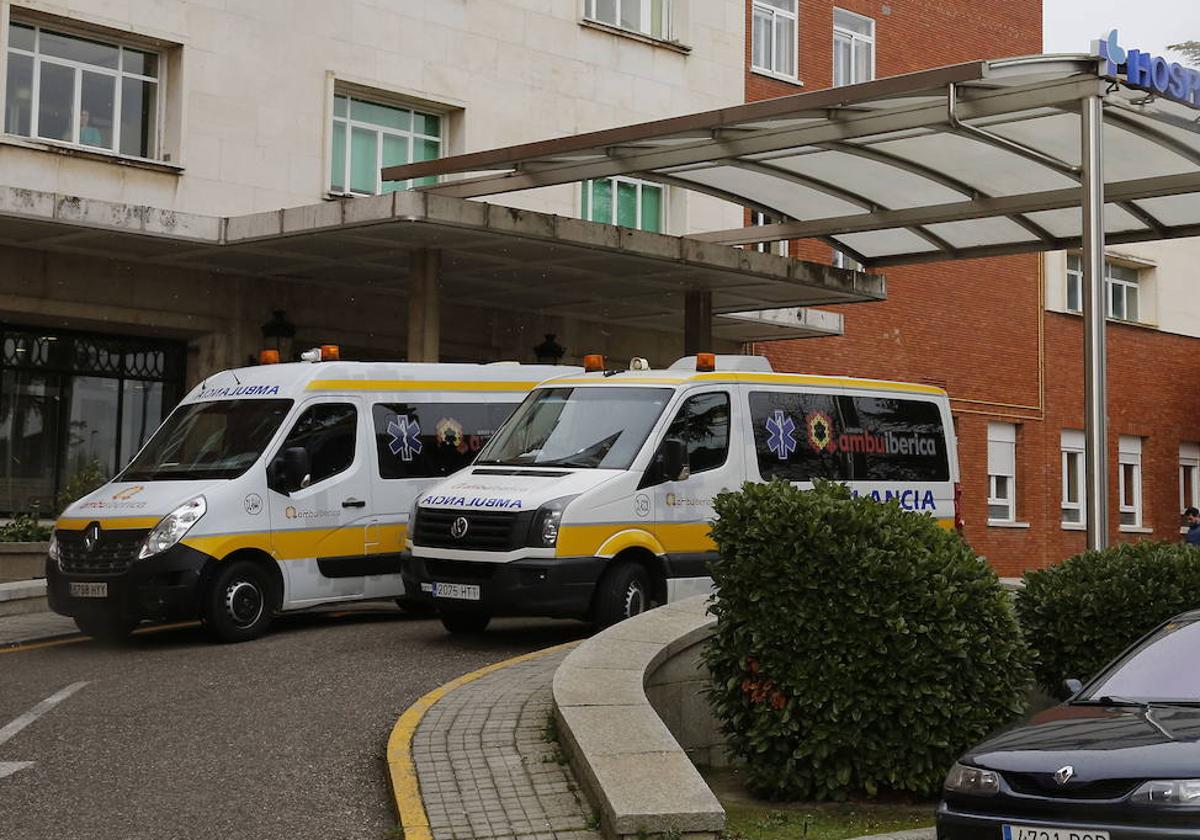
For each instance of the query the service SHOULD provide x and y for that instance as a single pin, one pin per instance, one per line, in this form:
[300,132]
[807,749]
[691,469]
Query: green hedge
[1080,614]
[858,648]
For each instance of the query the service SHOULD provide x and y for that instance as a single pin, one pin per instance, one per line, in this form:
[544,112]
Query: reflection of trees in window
[703,424]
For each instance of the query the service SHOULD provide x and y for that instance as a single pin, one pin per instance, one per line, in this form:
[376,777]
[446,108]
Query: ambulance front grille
[486,530]
[111,554]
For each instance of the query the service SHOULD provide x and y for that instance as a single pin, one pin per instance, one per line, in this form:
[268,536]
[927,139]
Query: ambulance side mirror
[674,456]
[289,470]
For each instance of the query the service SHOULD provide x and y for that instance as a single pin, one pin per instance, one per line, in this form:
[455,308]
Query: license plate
[456,591]
[1031,832]
[88,590]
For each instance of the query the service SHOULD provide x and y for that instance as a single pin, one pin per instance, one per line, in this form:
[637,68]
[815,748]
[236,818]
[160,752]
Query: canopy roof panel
[970,160]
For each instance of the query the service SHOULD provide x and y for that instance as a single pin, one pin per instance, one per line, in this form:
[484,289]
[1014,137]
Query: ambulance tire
[464,621]
[241,602]
[622,593]
[109,629]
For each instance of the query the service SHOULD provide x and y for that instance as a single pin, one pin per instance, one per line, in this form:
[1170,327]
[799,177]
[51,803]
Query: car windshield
[578,427]
[1156,671]
[208,440]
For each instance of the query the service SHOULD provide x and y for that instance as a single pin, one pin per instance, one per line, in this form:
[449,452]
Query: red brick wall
[979,328]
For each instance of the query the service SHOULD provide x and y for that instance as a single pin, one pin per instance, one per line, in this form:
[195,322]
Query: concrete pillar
[424,312]
[697,322]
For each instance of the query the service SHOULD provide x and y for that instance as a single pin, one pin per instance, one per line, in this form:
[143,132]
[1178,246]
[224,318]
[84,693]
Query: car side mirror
[290,469]
[675,460]
[1072,687]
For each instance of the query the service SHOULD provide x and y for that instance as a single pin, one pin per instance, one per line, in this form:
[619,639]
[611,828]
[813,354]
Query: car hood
[1099,743]
[136,500]
[511,488]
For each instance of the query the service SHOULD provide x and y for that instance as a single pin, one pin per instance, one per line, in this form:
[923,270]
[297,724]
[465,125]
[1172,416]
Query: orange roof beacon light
[268,357]
[593,362]
[330,352]
[706,361]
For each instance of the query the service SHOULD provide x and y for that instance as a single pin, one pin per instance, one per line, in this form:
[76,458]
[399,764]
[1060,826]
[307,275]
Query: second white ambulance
[595,498]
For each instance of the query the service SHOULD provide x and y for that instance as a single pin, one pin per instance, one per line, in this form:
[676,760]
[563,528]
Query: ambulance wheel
[623,592]
[241,601]
[461,621]
[109,629]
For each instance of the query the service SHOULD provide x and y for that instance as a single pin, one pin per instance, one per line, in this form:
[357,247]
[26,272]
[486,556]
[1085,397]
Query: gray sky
[1071,25]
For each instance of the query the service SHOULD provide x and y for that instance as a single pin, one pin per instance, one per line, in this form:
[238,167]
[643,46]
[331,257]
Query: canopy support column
[1095,313]
[424,316]
[697,322]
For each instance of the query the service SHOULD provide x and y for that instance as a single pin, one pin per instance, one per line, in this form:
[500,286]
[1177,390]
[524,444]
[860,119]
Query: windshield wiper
[1109,700]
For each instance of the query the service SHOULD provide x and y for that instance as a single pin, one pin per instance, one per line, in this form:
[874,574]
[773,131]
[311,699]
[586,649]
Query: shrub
[1078,615]
[89,475]
[858,647]
[24,527]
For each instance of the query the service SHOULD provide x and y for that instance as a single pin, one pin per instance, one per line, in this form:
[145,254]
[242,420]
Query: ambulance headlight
[55,550]
[412,516]
[172,527]
[543,533]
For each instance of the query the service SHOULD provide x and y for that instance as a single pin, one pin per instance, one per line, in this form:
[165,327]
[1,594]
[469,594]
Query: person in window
[1192,516]
[89,135]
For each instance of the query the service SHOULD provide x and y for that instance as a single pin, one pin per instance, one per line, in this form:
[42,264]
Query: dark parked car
[1120,760]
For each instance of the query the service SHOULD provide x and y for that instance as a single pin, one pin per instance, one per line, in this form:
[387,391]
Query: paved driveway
[174,737]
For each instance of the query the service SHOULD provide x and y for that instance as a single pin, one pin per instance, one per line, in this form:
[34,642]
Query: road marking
[402,771]
[11,729]
[7,768]
[76,639]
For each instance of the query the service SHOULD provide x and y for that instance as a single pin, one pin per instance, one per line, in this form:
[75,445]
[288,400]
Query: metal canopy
[492,257]
[971,160]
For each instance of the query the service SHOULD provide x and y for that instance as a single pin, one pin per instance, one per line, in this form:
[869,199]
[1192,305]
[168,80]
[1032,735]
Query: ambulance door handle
[349,503]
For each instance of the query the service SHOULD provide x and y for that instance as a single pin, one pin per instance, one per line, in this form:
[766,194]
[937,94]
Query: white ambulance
[275,488]
[594,500]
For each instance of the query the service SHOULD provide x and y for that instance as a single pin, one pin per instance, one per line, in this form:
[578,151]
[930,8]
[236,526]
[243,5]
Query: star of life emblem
[405,437]
[781,434]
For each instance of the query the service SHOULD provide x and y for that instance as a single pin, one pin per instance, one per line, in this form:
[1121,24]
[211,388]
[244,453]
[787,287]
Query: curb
[402,771]
[908,834]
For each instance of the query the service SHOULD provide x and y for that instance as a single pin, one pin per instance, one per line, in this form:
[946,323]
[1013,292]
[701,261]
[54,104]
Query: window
[433,439]
[1129,480]
[1121,289]
[1002,472]
[801,436]
[842,260]
[757,217]
[73,404]
[703,424]
[367,136]
[1073,477]
[853,48]
[650,17]
[627,202]
[86,92]
[773,37]
[329,432]
[1189,475]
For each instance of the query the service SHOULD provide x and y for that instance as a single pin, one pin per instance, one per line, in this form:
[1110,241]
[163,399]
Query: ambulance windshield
[207,440]
[578,427]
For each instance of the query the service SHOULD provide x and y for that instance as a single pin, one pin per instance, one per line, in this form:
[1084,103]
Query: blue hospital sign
[1152,73]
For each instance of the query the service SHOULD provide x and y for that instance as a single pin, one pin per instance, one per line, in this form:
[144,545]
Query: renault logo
[458,528]
[1064,775]
[91,537]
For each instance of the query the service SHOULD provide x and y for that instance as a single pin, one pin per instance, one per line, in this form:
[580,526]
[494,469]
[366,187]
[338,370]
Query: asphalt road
[282,737]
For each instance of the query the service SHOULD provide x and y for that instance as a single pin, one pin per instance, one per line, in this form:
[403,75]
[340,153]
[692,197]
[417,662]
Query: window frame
[683,403]
[586,201]
[774,13]
[1129,289]
[778,248]
[1074,445]
[998,435]
[118,74]
[856,39]
[348,124]
[1127,457]
[646,23]
[1189,460]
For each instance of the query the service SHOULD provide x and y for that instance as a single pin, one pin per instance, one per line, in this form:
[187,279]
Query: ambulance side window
[329,432]
[703,424]
[430,440]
